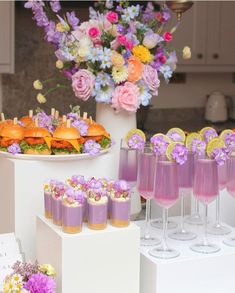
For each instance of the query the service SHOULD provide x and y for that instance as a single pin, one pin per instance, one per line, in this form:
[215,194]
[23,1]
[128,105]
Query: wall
[0,93]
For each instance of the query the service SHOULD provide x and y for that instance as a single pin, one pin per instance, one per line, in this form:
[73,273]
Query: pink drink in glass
[166,184]
[222,175]
[206,186]
[128,165]
[146,169]
[231,176]
[186,172]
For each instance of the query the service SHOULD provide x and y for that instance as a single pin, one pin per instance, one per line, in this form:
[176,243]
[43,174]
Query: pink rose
[150,77]
[93,32]
[125,42]
[83,83]
[167,36]
[126,97]
[163,59]
[112,17]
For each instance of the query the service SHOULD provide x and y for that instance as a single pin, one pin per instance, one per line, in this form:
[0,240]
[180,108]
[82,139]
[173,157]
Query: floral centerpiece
[116,57]
[31,278]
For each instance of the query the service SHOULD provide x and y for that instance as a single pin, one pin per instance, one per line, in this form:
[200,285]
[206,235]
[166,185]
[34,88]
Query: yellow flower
[41,98]
[62,27]
[117,59]
[142,53]
[119,73]
[59,64]
[37,85]
[186,52]
[47,269]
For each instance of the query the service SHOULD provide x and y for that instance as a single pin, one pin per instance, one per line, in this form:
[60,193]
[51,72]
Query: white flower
[151,40]
[186,52]
[59,64]
[41,98]
[37,85]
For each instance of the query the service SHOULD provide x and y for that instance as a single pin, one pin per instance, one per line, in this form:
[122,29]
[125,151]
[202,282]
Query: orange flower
[135,69]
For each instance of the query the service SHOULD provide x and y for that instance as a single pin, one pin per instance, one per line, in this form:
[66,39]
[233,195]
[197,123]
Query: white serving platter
[72,157]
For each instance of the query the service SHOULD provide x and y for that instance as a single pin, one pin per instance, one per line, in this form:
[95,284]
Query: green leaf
[105,142]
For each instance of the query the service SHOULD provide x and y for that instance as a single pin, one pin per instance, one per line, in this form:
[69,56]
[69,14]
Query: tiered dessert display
[44,134]
[92,201]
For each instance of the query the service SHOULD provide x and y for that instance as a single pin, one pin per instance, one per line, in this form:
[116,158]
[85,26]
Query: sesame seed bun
[96,129]
[37,132]
[63,133]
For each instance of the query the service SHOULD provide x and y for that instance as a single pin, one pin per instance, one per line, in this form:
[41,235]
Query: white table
[191,272]
[105,261]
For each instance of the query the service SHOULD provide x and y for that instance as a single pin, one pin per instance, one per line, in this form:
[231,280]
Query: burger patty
[5,142]
[96,138]
[61,144]
[34,140]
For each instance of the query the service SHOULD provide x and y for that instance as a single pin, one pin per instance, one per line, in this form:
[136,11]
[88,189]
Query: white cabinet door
[192,32]
[6,36]
[221,33]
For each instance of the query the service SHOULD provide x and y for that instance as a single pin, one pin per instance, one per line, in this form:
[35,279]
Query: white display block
[21,194]
[105,261]
[191,272]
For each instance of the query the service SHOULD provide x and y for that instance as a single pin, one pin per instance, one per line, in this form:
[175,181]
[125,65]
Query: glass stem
[196,206]
[165,221]
[182,212]
[147,217]
[218,210]
[205,225]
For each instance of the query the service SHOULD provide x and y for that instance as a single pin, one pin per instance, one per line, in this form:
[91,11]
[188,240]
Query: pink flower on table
[150,77]
[167,36]
[112,17]
[126,97]
[94,32]
[83,83]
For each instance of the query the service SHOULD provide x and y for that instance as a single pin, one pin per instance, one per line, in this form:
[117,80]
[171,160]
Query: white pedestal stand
[190,272]
[21,193]
[105,261]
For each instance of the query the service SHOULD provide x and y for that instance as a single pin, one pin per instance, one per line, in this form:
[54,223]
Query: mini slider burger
[27,120]
[11,133]
[36,141]
[98,133]
[65,140]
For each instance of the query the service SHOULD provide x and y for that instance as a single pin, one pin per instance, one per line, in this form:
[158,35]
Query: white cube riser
[92,261]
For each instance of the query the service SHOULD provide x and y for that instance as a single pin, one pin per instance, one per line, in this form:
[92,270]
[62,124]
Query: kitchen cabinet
[7,36]
[208,29]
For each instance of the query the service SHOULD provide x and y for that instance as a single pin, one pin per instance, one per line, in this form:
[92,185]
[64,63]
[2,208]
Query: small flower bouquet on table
[97,205]
[30,278]
[72,216]
[120,204]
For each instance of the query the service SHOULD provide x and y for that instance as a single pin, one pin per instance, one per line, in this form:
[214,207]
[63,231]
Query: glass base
[218,229]
[205,248]
[159,224]
[164,253]
[182,235]
[149,241]
[194,219]
[229,241]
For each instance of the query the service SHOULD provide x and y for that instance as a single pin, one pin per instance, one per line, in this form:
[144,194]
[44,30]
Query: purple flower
[121,185]
[120,29]
[72,116]
[136,142]
[82,126]
[25,269]
[91,147]
[93,183]
[68,73]
[220,155]
[38,13]
[55,5]
[198,147]
[77,179]
[72,20]
[230,140]
[179,154]
[160,144]
[14,149]
[77,195]
[40,283]
[52,35]
[209,134]
[175,136]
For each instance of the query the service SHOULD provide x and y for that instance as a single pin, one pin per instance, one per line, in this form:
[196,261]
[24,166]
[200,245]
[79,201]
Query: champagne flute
[166,193]
[185,172]
[217,228]
[145,181]
[230,241]
[206,189]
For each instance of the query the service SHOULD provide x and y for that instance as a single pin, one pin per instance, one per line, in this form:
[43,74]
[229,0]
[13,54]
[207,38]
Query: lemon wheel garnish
[225,132]
[179,131]
[132,132]
[170,149]
[190,138]
[166,138]
[204,129]
[213,144]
